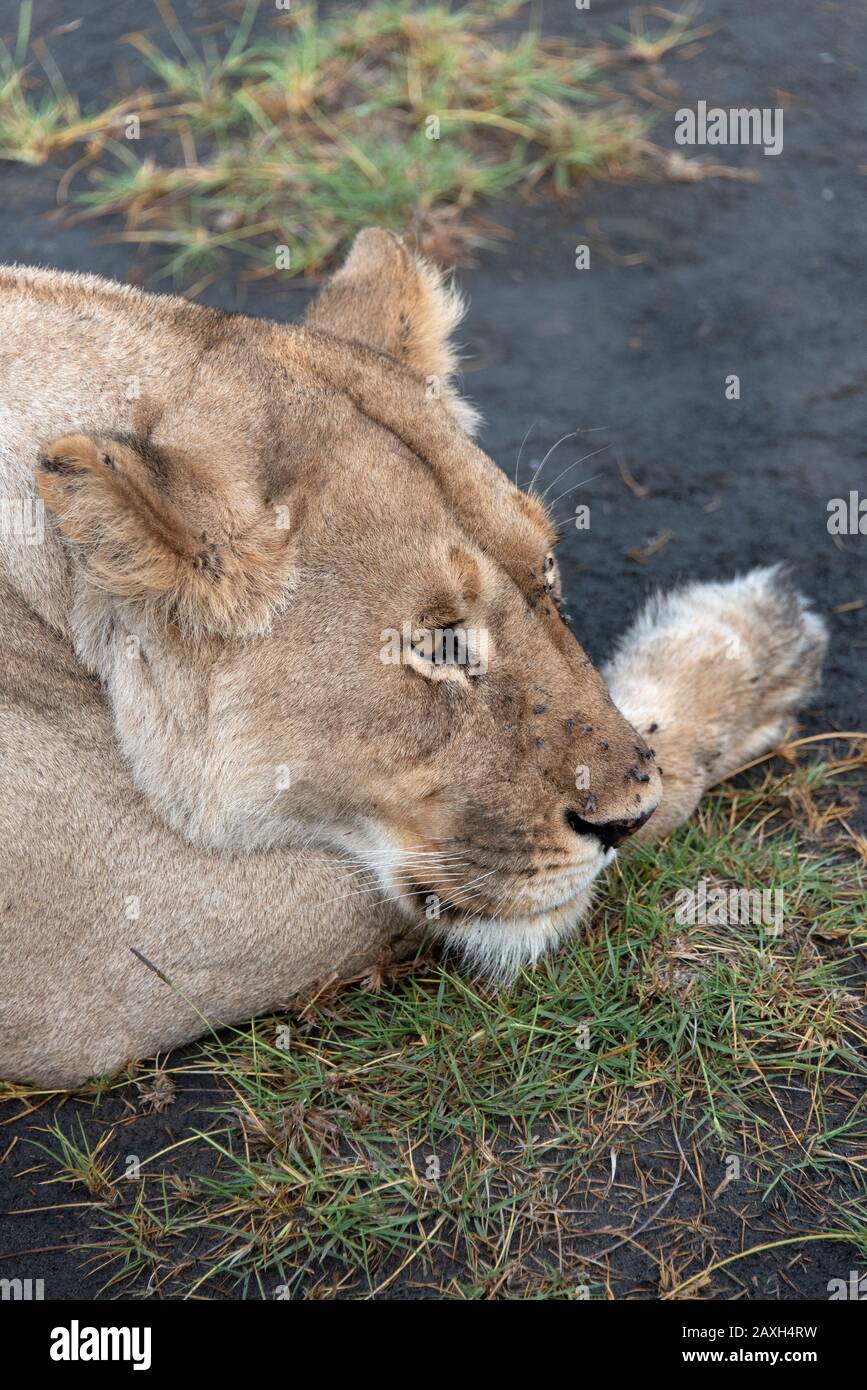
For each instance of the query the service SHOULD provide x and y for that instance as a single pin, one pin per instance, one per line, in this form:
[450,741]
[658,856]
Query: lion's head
[323,616]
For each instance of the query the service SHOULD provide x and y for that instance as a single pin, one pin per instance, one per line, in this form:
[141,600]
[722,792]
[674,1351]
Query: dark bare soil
[765,280]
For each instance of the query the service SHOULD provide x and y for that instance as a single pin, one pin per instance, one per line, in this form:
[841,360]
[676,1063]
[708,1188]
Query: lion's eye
[443,646]
[447,653]
[549,570]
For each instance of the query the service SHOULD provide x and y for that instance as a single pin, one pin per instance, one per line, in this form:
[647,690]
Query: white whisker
[521,450]
[571,435]
[574,462]
[583,482]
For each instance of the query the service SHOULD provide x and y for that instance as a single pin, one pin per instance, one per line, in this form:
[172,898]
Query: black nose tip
[610,832]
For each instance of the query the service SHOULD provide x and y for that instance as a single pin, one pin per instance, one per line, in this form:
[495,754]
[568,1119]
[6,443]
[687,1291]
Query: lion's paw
[713,674]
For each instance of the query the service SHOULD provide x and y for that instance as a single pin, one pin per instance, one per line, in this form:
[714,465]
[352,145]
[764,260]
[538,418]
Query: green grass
[41,118]
[424,1134]
[298,131]
[78,1161]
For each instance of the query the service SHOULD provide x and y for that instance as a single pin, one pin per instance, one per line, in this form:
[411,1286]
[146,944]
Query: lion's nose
[610,832]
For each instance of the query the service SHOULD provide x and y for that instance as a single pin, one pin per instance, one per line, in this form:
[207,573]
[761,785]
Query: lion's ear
[387,298]
[151,526]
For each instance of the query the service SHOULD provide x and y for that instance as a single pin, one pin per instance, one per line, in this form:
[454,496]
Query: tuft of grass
[273,147]
[648,43]
[78,1162]
[37,121]
[649,1111]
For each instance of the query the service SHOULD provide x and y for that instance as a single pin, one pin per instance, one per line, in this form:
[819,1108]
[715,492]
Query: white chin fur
[498,948]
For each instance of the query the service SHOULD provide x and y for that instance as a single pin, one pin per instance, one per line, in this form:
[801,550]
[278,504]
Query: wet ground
[689,284]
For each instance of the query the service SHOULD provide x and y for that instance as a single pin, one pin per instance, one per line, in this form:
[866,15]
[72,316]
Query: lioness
[242,749]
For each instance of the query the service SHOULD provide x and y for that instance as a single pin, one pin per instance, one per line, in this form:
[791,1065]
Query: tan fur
[413,322]
[205,758]
[208,567]
[89,874]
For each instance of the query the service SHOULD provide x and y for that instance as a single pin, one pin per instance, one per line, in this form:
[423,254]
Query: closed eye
[444,646]
[450,651]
